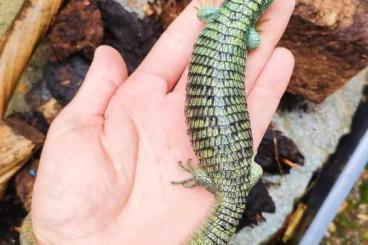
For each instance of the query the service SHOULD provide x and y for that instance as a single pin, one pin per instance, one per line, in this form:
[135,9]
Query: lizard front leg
[252,39]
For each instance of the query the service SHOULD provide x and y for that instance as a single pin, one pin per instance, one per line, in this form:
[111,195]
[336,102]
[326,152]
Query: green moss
[365,236]
[363,189]
[364,192]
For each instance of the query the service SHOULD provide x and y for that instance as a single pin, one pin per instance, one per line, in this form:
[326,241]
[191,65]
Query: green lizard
[217,117]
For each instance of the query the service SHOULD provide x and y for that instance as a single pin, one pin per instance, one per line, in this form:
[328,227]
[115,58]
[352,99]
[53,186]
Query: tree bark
[329,39]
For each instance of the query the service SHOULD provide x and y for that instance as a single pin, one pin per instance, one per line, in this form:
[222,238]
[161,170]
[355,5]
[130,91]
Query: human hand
[110,155]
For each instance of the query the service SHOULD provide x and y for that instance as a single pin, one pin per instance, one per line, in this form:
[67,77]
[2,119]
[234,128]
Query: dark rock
[290,102]
[64,78]
[77,28]
[258,202]
[277,153]
[131,36]
[38,94]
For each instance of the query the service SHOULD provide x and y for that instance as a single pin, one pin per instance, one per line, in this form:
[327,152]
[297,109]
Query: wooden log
[329,39]
[14,151]
[20,40]
[50,109]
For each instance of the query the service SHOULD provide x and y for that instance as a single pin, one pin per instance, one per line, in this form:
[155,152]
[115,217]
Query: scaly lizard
[217,117]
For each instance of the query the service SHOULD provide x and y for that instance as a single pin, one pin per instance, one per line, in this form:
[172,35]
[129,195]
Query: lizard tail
[222,222]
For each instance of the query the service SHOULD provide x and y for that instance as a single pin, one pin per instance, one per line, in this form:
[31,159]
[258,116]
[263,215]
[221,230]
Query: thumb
[106,73]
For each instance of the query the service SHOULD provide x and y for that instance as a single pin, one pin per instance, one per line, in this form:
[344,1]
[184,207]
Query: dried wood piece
[50,110]
[35,119]
[23,128]
[165,10]
[77,28]
[21,38]
[292,222]
[277,154]
[329,39]
[14,151]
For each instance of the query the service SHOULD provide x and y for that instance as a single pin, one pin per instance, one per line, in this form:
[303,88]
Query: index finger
[171,53]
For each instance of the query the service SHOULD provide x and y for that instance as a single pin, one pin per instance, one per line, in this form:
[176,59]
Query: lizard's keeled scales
[217,117]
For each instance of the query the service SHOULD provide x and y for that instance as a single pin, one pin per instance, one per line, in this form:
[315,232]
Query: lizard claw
[188,183]
[187,166]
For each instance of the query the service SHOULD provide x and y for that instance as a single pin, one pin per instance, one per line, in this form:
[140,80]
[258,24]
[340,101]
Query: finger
[275,22]
[170,55]
[278,16]
[268,89]
[180,86]
[106,73]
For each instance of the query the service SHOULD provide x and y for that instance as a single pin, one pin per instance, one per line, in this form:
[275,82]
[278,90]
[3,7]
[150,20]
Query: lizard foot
[199,177]
[208,11]
[252,39]
[188,183]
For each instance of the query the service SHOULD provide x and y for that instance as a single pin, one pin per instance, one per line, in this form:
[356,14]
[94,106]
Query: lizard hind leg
[199,178]
[207,11]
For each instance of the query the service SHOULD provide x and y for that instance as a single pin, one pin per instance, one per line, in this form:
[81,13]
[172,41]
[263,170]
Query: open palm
[110,155]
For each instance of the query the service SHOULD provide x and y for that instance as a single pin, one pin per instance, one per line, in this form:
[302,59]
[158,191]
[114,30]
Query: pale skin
[110,156]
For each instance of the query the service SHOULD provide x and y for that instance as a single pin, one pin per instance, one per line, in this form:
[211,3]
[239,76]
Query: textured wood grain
[329,39]
[14,151]
[19,42]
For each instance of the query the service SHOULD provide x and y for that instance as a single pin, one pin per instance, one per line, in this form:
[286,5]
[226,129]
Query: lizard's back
[217,117]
